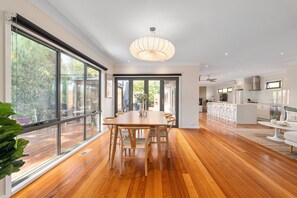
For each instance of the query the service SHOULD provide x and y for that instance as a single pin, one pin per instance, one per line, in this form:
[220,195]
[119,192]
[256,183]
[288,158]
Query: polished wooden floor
[209,162]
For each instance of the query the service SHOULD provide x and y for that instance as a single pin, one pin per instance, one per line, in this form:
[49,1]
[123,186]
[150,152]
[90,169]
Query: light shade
[152,49]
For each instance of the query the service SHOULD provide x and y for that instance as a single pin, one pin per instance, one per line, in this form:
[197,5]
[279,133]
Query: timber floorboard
[206,162]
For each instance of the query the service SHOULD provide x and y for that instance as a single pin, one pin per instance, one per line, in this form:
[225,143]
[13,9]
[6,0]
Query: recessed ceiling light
[282,53]
[226,54]
[206,65]
[129,61]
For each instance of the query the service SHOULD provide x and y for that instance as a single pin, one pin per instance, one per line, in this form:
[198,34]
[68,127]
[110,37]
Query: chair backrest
[119,113]
[131,130]
[170,121]
[168,115]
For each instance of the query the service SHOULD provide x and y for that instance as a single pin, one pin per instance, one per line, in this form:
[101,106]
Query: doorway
[162,94]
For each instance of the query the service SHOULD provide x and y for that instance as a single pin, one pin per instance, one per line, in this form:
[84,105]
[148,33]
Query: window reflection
[33,80]
[42,147]
[72,133]
[72,87]
[92,90]
[92,125]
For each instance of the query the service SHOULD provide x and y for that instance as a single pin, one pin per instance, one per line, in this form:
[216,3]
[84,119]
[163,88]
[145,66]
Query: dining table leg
[157,130]
[276,137]
[114,145]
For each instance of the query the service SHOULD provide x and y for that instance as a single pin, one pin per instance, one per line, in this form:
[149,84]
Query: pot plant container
[11,147]
[273,119]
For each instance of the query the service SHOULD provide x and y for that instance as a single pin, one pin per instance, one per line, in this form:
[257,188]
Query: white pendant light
[152,48]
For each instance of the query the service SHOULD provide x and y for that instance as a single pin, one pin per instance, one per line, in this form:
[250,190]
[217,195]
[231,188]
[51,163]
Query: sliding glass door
[162,93]
[57,100]
[137,88]
[154,95]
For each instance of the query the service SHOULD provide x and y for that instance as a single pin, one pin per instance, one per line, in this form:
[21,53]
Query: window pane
[33,80]
[42,147]
[92,90]
[72,87]
[72,133]
[138,88]
[170,96]
[273,85]
[92,125]
[154,95]
[123,95]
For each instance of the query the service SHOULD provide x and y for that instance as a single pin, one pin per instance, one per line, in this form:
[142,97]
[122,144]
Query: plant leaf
[6,170]
[6,109]
[20,145]
[17,164]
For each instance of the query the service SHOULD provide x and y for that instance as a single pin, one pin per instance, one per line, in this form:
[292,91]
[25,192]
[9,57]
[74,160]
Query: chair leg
[145,161]
[110,143]
[151,154]
[121,161]
[291,149]
[167,146]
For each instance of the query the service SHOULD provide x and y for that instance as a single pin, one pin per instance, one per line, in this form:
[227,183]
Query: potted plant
[141,99]
[11,147]
[273,119]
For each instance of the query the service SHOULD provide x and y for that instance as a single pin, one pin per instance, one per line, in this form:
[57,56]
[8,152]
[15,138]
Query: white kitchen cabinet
[263,111]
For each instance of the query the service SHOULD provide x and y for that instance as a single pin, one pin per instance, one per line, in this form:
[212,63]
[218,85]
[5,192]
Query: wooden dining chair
[168,115]
[111,129]
[164,132]
[119,113]
[132,142]
[111,134]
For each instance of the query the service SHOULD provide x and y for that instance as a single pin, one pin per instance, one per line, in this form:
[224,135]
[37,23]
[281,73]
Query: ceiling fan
[207,79]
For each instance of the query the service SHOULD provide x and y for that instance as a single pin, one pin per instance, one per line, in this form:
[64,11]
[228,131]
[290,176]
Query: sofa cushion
[291,116]
[292,136]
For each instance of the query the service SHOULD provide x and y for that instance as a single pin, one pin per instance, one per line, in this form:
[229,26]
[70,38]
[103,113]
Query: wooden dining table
[153,119]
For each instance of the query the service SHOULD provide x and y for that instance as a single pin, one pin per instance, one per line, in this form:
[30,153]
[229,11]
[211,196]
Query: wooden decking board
[209,162]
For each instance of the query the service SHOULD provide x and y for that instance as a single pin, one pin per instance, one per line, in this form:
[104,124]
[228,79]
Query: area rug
[259,136]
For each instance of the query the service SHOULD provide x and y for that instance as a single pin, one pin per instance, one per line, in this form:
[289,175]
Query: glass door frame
[146,90]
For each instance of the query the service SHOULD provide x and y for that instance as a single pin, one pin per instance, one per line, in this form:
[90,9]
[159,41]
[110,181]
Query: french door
[162,94]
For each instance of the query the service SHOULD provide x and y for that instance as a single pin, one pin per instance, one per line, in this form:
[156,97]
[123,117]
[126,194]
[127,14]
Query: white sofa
[291,139]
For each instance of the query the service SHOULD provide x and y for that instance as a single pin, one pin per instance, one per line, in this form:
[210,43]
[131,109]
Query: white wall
[210,92]
[290,87]
[273,96]
[231,95]
[2,61]
[189,92]
[30,12]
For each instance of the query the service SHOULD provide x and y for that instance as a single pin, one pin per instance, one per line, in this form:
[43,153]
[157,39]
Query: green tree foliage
[11,148]
[138,86]
[154,88]
[33,79]
[72,82]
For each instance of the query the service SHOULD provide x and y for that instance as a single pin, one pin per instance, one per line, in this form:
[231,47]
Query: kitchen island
[237,113]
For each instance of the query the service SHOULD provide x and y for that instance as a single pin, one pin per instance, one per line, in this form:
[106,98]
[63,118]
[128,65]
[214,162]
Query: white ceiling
[252,32]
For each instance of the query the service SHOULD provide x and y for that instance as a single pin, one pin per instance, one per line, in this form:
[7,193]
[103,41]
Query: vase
[141,109]
[273,121]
